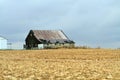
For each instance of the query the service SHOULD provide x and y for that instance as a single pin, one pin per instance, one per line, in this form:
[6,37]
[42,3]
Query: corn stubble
[60,64]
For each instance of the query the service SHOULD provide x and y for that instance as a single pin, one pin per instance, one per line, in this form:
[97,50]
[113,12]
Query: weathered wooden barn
[42,39]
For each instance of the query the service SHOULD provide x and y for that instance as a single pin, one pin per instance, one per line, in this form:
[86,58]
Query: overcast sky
[87,22]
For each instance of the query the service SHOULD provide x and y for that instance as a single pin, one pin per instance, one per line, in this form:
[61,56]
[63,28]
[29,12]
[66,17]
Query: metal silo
[3,43]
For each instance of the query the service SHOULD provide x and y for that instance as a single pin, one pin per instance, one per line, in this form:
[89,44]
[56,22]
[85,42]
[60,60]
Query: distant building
[42,39]
[3,43]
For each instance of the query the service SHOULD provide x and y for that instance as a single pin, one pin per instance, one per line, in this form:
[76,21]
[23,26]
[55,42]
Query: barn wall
[31,41]
[65,45]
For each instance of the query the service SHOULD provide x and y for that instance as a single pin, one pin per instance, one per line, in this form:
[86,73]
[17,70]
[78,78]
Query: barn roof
[51,36]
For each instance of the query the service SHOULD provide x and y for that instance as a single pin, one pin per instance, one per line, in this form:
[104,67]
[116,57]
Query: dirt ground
[60,64]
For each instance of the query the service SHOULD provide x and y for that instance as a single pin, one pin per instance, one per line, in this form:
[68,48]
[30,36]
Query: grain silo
[3,43]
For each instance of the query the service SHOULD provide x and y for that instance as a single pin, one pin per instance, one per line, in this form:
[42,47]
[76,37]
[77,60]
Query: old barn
[42,39]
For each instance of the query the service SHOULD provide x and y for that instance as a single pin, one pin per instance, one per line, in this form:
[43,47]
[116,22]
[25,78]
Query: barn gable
[46,37]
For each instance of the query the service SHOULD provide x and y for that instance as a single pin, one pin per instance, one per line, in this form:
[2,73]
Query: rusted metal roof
[51,36]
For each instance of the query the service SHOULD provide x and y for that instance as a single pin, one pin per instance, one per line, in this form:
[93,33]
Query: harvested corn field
[60,64]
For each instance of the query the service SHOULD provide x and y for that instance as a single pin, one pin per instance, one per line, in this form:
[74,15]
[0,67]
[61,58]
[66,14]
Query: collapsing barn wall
[59,45]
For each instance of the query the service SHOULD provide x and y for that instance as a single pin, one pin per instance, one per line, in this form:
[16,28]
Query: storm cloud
[87,22]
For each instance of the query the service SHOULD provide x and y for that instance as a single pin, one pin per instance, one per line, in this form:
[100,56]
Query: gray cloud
[88,22]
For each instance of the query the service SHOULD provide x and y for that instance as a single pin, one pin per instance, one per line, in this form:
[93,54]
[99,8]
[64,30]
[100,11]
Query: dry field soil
[60,64]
